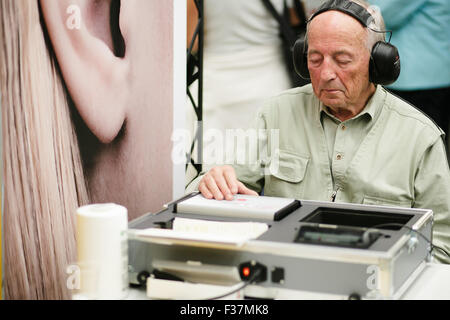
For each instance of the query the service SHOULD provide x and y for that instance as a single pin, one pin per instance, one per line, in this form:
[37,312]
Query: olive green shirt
[389,154]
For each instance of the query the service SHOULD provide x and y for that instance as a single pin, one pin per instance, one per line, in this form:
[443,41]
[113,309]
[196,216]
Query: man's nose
[328,71]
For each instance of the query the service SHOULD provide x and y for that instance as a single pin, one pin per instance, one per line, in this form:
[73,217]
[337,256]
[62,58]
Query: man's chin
[333,103]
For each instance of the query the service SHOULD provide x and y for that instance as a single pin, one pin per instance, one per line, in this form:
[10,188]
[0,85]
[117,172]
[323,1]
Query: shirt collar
[372,109]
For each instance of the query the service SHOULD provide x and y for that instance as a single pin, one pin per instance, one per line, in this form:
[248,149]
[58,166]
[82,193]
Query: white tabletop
[432,284]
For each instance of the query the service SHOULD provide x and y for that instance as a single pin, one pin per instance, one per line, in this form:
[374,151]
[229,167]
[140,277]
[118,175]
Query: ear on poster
[89,44]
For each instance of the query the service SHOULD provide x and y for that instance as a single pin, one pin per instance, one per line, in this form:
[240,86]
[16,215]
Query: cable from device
[167,276]
[244,285]
[419,233]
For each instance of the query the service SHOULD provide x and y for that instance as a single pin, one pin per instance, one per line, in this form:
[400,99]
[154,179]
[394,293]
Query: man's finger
[204,190]
[211,184]
[244,190]
[223,186]
[232,181]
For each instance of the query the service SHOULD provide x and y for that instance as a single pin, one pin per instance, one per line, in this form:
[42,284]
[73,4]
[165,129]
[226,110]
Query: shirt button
[339,157]
[343,127]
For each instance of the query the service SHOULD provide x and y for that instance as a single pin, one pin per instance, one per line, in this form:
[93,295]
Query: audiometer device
[352,250]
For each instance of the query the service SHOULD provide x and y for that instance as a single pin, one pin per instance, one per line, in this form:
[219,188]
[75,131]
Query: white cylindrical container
[102,251]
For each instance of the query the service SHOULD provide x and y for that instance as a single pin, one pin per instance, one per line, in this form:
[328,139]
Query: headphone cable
[382,31]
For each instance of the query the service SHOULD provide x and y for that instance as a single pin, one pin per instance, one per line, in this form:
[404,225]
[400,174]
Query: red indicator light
[246,271]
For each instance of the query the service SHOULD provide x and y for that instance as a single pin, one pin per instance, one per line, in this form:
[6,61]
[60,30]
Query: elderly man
[344,138]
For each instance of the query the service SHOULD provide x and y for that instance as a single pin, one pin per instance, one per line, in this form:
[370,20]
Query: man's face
[338,60]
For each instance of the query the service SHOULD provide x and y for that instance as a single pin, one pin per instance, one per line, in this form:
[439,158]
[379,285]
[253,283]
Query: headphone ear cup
[299,54]
[384,66]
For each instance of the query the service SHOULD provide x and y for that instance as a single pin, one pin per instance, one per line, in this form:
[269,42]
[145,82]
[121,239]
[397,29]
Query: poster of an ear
[87,117]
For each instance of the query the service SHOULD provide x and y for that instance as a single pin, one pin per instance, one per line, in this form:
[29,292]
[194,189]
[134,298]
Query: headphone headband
[351,8]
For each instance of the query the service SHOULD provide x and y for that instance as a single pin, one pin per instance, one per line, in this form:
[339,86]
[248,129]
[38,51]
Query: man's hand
[221,183]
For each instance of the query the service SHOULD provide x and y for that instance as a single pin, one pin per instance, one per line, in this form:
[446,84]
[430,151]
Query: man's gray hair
[377,23]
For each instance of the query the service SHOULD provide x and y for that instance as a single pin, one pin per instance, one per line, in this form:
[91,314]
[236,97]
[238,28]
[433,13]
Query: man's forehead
[335,23]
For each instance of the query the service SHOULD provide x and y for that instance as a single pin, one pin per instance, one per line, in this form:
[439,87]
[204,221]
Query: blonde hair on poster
[42,171]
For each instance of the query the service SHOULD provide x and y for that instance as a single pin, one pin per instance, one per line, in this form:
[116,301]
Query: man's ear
[87,40]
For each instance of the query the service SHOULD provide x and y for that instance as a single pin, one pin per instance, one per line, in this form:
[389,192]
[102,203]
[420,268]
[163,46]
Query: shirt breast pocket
[287,172]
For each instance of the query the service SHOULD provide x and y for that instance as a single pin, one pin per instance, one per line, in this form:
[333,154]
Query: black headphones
[384,66]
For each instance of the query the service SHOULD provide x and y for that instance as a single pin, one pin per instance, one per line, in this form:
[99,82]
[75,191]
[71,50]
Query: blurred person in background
[243,65]
[421,32]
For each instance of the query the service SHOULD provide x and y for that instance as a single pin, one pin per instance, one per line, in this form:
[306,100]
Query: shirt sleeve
[193,185]
[397,12]
[432,191]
